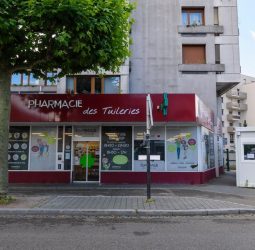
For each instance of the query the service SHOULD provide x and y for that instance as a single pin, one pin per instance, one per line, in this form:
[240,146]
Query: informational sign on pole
[149,125]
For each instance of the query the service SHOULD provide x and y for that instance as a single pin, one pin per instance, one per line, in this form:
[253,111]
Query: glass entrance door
[86,161]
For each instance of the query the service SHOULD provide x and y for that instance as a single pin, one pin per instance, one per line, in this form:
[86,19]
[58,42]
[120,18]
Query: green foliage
[71,35]
[5,200]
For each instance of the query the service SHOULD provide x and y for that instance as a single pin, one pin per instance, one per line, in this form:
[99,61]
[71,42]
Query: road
[221,232]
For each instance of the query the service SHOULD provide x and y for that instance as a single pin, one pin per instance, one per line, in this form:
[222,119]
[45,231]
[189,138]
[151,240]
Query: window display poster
[157,149]
[208,156]
[182,152]
[211,150]
[220,151]
[43,148]
[18,148]
[116,148]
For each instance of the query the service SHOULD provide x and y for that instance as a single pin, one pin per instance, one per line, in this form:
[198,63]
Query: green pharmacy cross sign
[164,105]
[87,160]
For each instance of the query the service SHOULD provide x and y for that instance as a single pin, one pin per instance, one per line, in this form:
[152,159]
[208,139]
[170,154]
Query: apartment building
[185,53]
[238,109]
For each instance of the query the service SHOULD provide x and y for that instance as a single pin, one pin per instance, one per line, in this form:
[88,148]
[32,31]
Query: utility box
[245,157]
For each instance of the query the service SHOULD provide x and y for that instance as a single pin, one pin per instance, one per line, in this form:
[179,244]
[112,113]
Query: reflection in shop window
[112,85]
[86,84]
[249,152]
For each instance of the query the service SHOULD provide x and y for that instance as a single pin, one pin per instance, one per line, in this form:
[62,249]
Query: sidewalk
[220,196]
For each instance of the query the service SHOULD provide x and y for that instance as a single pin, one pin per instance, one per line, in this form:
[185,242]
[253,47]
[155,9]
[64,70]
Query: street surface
[216,232]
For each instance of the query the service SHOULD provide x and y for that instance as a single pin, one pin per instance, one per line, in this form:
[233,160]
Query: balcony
[34,89]
[231,129]
[232,118]
[236,106]
[236,95]
[200,29]
[201,67]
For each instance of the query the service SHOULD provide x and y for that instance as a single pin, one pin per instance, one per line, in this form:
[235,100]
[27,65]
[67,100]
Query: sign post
[149,124]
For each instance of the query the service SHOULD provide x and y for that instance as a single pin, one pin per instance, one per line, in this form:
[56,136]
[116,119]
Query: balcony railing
[231,129]
[34,89]
[200,29]
[236,106]
[232,118]
[236,95]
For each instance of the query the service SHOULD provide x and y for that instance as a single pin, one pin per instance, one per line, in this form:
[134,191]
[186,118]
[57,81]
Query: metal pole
[228,168]
[148,167]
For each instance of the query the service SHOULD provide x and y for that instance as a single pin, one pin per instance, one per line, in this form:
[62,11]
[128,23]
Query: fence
[229,159]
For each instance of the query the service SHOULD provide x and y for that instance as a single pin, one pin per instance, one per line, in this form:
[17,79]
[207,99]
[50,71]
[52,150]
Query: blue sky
[247,36]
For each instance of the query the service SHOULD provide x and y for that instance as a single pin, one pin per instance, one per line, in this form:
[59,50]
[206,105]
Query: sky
[246,22]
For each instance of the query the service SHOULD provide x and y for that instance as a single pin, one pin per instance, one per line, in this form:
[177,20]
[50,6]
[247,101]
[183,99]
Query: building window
[30,80]
[216,16]
[85,84]
[249,151]
[222,123]
[222,111]
[193,54]
[192,16]
[239,113]
[222,99]
[232,140]
[231,124]
[217,54]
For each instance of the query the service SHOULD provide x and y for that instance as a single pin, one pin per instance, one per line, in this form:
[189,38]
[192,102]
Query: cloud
[253,34]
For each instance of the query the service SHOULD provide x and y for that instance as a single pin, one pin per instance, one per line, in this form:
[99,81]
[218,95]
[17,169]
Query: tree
[40,36]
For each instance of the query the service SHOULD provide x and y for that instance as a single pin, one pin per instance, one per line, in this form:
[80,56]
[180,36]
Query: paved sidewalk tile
[137,203]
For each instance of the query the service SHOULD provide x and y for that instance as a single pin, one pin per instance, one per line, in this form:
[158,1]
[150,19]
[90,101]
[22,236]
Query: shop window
[85,84]
[192,16]
[18,148]
[85,132]
[157,149]
[116,148]
[193,54]
[68,148]
[208,156]
[249,152]
[181,148]
[60,139]
[43,148]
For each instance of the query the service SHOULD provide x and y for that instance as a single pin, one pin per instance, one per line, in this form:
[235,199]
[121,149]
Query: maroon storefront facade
[66,138]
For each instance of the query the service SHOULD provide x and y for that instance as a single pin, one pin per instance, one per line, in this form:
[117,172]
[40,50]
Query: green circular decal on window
[84,159]
[120,159]
[171,148]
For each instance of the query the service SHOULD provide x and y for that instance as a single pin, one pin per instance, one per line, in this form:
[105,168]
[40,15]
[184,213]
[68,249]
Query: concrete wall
[157,49]
[248,87]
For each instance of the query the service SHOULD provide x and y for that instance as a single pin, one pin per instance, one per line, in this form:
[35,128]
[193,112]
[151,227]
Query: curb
[123,212]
